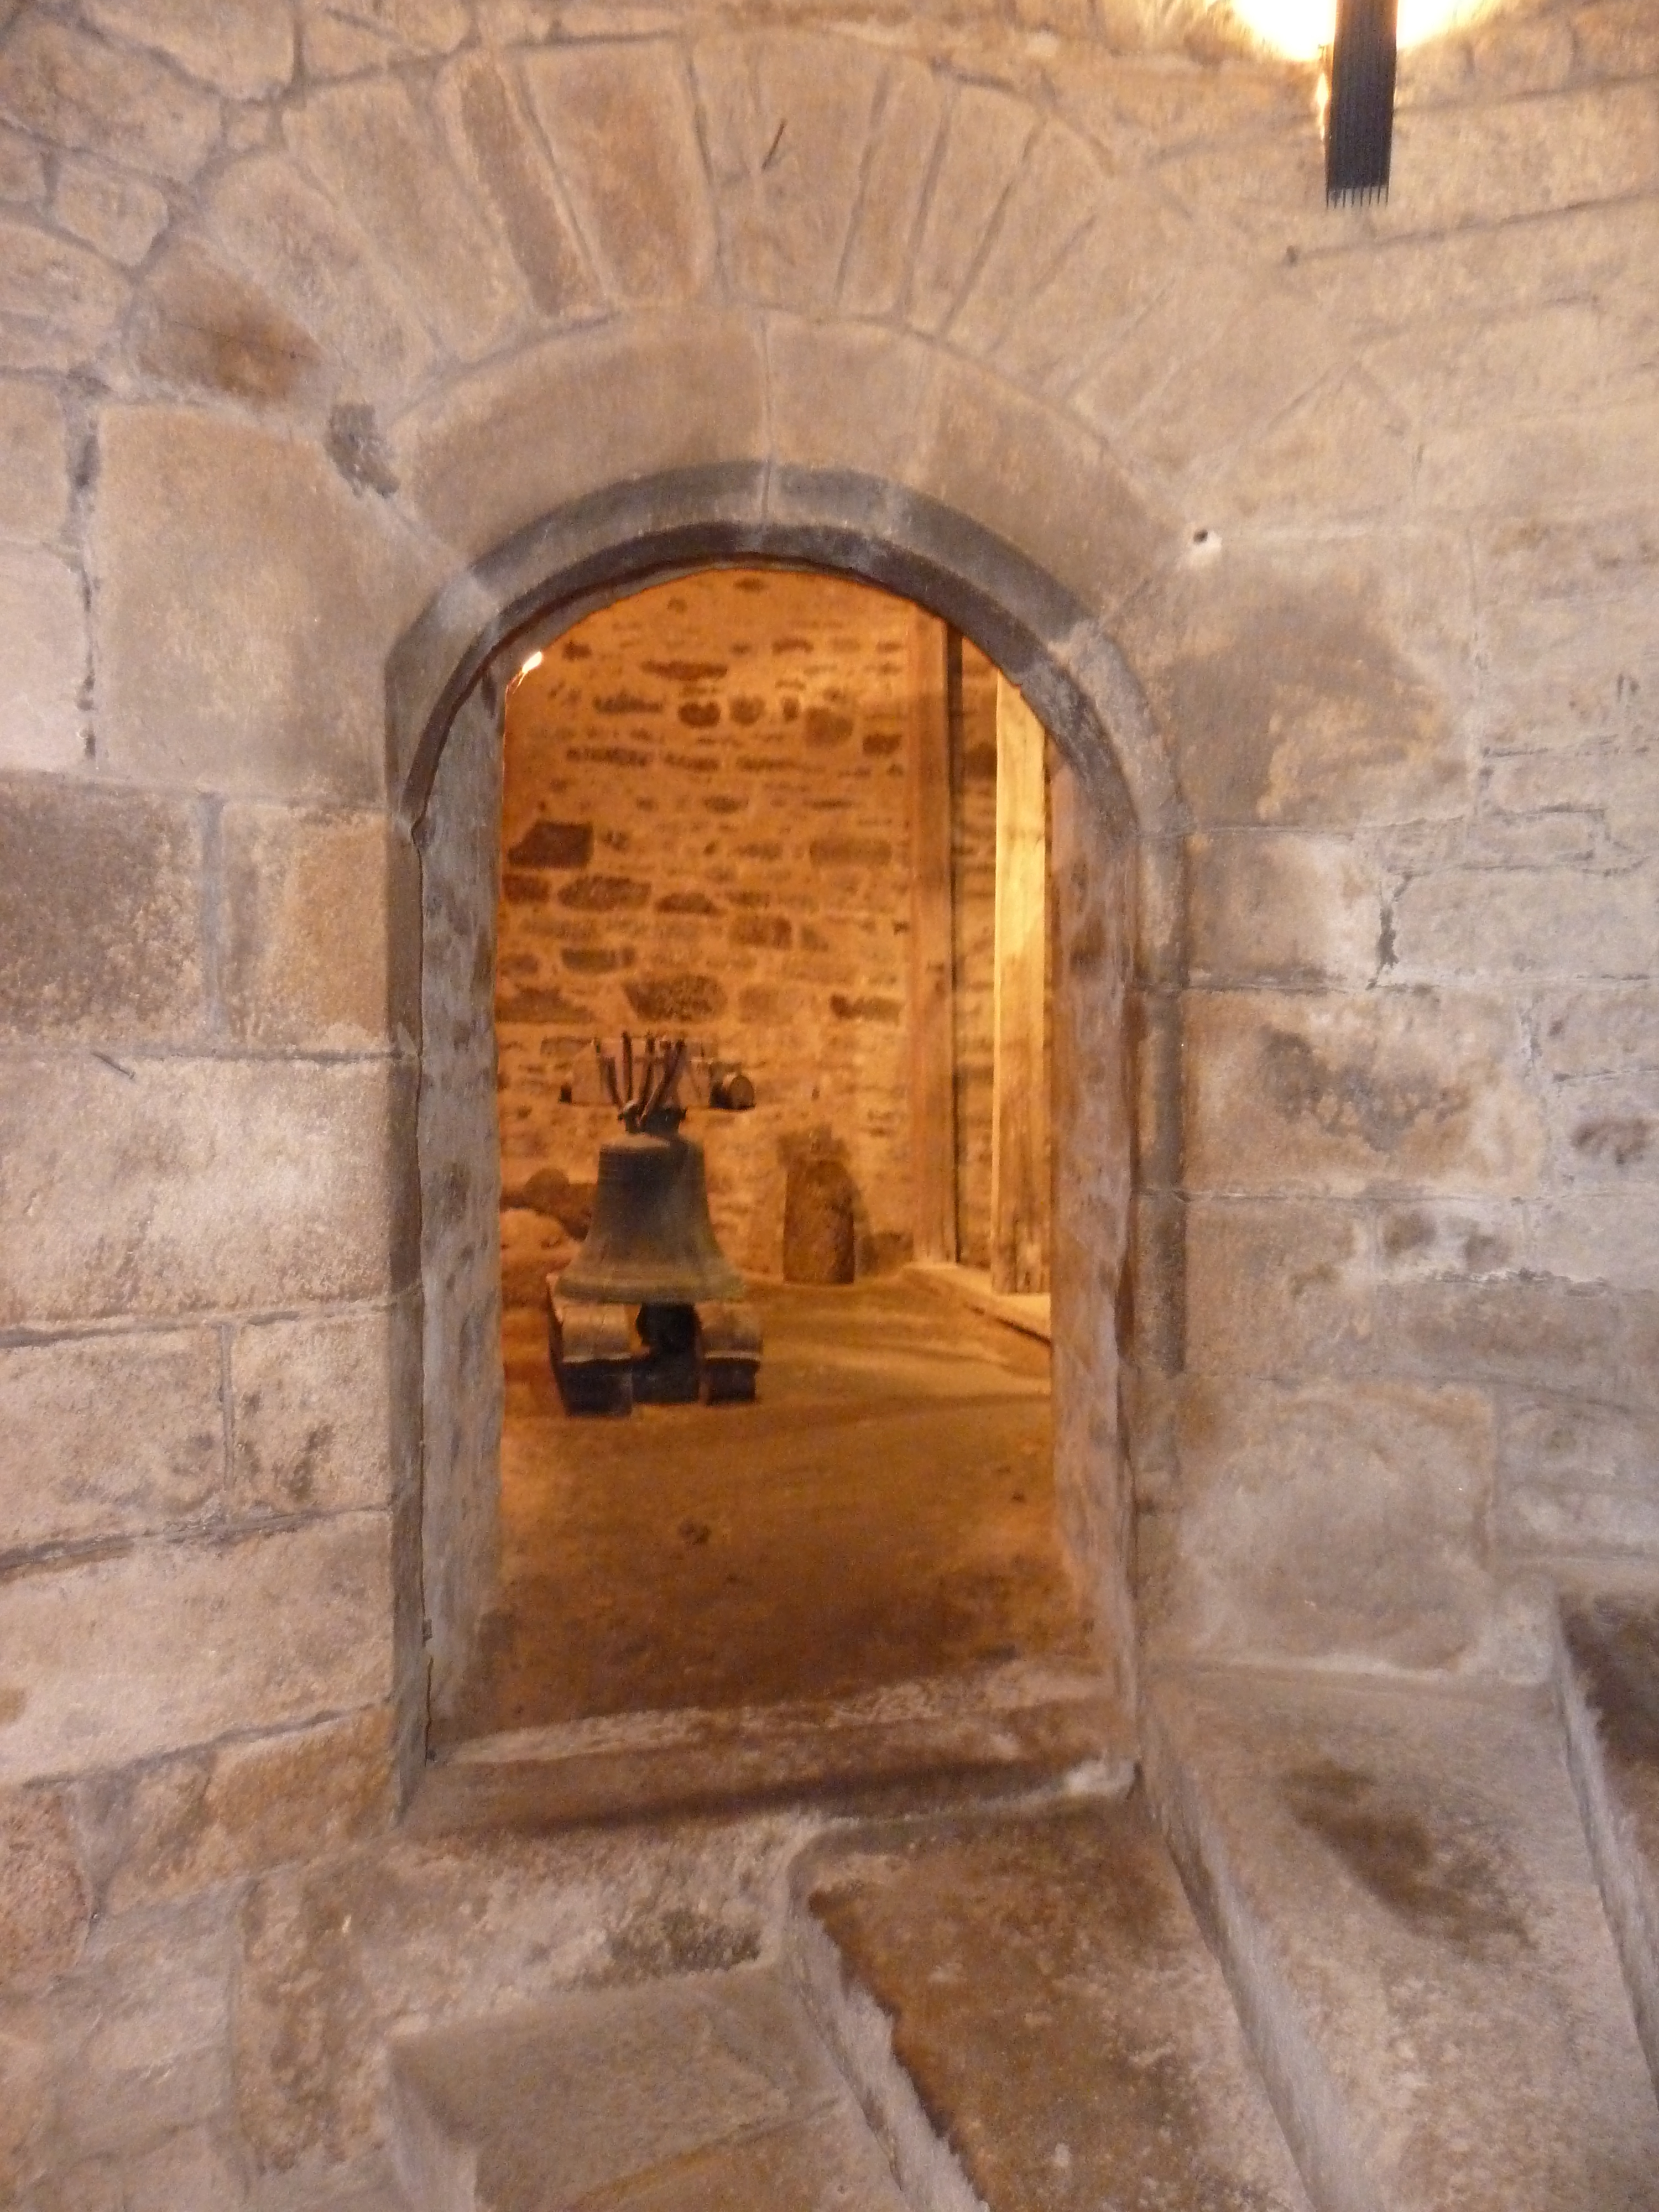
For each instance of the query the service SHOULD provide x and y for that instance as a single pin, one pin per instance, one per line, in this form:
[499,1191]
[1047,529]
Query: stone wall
[1325,542]
[706,829]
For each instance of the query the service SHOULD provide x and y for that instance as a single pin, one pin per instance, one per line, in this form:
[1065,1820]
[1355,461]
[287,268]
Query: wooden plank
[1019,1105]
[932,1044]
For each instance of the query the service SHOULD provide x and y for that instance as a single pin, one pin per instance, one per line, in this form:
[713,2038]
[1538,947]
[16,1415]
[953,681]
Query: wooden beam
[932,1027]
[1020,1089]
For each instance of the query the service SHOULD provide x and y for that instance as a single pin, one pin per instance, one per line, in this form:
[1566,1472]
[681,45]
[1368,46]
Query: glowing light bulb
[534,661]
[1303,29]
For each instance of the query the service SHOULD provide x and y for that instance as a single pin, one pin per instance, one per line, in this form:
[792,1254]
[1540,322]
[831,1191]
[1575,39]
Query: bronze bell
[651,1307]
[651,1242]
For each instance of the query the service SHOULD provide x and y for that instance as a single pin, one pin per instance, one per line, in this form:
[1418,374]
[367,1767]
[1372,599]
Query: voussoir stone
[375,154]
[575,415]
[254,666]
[322,930]
[175,1645]
[620,119]
[109,1435]
[122,216]
[99,913]
[244,47]
[170,1185]
[985,141]
[197,326]
[902,138]
[43,655]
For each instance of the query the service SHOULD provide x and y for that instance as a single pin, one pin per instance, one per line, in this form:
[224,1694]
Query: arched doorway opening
[455,796]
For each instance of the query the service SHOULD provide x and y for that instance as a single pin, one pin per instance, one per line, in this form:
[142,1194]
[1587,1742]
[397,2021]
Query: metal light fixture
[1359,125]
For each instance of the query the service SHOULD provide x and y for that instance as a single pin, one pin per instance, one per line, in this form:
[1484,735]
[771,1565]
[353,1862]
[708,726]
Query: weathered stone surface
[1608,1031]
[845,396]
[1532,1331]
[1342,1520]
[1276,1286]
[496,148]
[314,263]
[1609,1237]
[1562,921]
[100,931]
[43,1907]
[344,36]
[122,216]
[108,1436]
[1338,1095]
[58,302]
[1093,286]
[1419,1237]
[1467,163]
[1275,907]
[196,326]
[172,1645]
[513,443]
[1058,178]
[623,128]
[163,1187]
[163,1830]
[77,92]
[22,169]
[142,2036]
[374,154]
[33,469]
[1289,701]
[985,136]
[903,135]
[244,47]
[259,669]
[322,930]
[43,659]
[325,1411]
[789,120]
[1399,1883]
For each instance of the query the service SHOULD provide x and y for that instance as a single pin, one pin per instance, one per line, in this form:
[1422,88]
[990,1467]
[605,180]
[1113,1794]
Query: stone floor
[883,1514]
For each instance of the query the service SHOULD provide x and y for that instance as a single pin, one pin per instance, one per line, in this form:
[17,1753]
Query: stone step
[1608,1678]
[1033,2019]
[710,2093]
[1398,1884]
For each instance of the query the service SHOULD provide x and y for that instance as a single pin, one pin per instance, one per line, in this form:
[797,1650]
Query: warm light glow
[1303,28]
[524,667]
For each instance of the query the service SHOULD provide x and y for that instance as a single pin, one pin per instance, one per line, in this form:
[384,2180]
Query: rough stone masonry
[343,344]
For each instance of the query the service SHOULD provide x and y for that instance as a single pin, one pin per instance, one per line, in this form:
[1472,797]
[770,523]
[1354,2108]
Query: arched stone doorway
[446,725]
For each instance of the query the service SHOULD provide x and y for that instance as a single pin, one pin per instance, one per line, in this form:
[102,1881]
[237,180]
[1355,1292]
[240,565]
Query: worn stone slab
[1599,924]
[903,134]
[44,1906]
[344,36]
[34,462]
[164,1186]
[108,1436]
[1326,1520]
[1277,1286]
[621,122]
[1607,1677]
[121,216]
[377,157]
[322,930]
[59,300]
[713,2091]
[259,669]
[200,326]
[244,47]
[171,1645]
[101,925]
[43,659]
[1400,1890]
[985,136]
[1040,1988]
[1335,1094]
[325,1411]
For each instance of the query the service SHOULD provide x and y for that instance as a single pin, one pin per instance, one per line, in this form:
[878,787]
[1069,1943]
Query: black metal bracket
[1359,125]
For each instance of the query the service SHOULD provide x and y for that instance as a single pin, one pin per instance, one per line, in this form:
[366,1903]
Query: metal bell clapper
[651,1307]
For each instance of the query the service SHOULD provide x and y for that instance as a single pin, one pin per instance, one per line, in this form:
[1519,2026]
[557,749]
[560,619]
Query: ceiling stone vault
[346,346]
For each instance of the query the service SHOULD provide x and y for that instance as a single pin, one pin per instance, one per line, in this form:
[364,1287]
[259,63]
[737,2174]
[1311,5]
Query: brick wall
[704,829]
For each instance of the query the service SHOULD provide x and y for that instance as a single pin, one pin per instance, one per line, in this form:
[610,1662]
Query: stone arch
[445,735]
